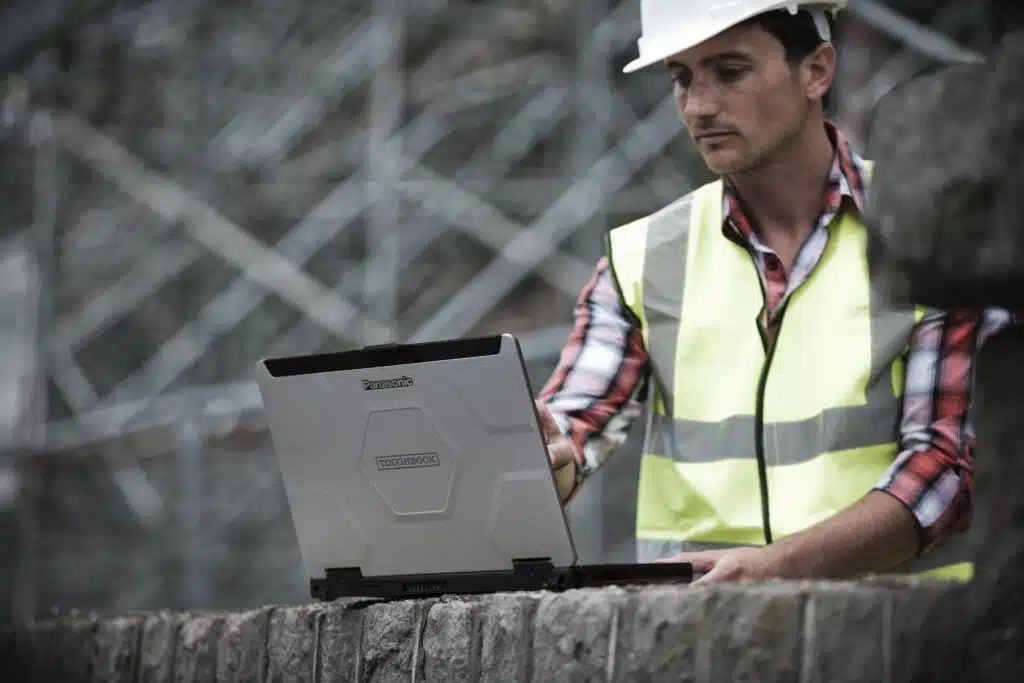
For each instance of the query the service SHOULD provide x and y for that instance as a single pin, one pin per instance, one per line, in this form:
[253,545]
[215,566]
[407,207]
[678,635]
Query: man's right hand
[561,450]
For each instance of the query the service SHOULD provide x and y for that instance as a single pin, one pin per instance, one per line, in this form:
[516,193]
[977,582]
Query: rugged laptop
[420,470]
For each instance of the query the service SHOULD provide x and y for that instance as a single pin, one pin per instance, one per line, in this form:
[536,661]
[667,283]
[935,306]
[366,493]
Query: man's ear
[818,70]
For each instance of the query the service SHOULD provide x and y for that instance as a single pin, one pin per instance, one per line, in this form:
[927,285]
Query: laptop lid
[410,459]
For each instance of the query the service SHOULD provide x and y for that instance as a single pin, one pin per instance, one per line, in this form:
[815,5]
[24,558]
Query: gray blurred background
[189,186]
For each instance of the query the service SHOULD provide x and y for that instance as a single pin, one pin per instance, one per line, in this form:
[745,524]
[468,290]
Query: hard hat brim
[657,55]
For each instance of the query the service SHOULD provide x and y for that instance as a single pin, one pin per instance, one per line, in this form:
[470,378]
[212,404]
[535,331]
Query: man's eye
[730,74]
[682,79]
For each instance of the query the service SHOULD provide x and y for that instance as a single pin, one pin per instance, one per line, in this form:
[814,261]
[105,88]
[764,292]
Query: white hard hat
[671,26]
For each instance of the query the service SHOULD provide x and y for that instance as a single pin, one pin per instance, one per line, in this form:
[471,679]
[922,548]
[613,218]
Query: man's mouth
[713,136]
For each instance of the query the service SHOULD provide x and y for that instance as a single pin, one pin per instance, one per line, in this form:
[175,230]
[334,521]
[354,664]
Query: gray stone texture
[752,635]
[946,201]
[117,649]
[574,634]
[291,646]
[506,634]
[340,640]
[243,645]
[195,655]
[659,631]
[451,646]
[845,634]
[890,630]
[391,639]
[157,647]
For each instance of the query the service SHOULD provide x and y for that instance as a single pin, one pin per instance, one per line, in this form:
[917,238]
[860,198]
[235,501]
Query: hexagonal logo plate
[408,462]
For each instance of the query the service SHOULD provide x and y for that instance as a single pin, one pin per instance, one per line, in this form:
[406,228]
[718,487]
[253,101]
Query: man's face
[739,98]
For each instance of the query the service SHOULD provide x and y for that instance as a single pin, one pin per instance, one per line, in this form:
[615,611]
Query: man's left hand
[734,564]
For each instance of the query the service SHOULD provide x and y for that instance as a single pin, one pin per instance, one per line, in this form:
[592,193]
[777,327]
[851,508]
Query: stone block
[391,635]
[914,610]
[752,632]
[846,634]
[195,652]
[157,647]
[35,645]
[451,643]
[659,634]
[574,634]
[241,652]
[506,635]
[945,206]
[118,641]
[341,631]
[78,649]
[291,644]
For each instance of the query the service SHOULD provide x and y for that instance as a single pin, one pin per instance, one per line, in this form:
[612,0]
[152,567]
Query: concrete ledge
[778,631]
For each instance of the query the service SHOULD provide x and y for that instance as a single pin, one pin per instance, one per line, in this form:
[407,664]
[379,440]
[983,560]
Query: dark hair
[798,35]
[797,32]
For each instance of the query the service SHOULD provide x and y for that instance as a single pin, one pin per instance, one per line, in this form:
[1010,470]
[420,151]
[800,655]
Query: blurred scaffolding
[191,186]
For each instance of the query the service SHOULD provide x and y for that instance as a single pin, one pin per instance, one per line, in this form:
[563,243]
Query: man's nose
[699,101]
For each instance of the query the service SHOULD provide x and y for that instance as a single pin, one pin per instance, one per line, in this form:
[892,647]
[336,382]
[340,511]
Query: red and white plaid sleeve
[595,391]
[934,472]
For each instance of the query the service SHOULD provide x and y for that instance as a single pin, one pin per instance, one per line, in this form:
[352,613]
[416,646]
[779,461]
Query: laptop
[421,469]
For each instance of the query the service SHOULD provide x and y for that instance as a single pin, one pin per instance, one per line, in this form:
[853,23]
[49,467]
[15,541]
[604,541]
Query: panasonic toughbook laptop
[421,470]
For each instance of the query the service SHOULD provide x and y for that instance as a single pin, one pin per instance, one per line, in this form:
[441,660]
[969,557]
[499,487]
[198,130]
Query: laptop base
[526,575]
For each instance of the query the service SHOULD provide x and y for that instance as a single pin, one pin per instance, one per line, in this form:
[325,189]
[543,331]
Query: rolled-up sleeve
[596,389]
[933,474]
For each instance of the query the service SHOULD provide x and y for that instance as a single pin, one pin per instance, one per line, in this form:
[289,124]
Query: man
[799,425]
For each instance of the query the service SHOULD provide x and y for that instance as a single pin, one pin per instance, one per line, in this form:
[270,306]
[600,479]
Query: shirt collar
[847,178]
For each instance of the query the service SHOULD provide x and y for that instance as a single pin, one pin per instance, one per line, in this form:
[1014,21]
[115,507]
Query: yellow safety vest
[746,440]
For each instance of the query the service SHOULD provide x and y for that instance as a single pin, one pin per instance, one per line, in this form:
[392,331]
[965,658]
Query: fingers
[547,422]
[702,562]
[561,452]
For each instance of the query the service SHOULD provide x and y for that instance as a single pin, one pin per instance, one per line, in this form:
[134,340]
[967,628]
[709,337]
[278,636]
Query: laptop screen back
[414,459]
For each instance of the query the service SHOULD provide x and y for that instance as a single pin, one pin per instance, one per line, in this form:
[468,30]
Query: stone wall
[798,632]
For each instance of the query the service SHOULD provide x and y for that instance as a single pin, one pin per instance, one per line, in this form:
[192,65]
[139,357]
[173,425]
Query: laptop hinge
[533,566]
[321,589]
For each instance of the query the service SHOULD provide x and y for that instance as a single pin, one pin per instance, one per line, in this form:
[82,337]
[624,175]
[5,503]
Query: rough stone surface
[845,635]
[451,648]
[340,634]
[36,644]
[574,633]
[752,635]
[659,633]
[117,649]
[79,650]
[912,610]
[391,634]
[242,647]
[291,646]
[195,657]
[946,201]
[157,647]
[506,634]
[891,630]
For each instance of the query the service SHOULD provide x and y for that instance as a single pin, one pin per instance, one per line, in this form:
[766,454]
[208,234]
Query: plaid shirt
[598,386]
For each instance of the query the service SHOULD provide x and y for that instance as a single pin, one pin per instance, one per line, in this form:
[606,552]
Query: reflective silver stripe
[955,550]
[835,429]
[668,235]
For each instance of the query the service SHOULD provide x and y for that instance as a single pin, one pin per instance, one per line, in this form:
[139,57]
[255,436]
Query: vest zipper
[762,466]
